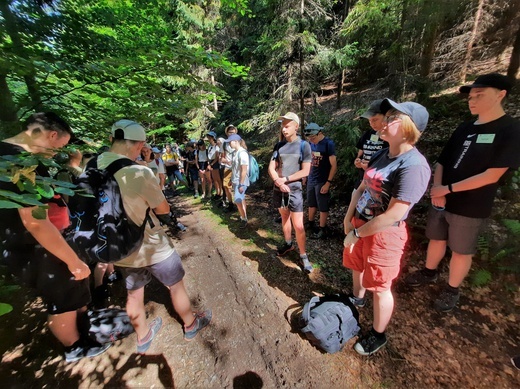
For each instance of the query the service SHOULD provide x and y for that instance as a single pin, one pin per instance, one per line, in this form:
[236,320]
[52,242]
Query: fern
[512,225]
[483,247]
[481,278]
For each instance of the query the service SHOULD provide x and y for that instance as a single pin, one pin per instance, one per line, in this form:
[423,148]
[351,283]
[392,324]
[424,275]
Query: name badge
[485,138]
[316,153]
[374,138]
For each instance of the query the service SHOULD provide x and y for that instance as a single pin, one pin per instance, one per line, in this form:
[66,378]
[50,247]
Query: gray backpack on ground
[330,321]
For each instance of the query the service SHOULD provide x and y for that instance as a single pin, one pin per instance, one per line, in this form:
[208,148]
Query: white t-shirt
[212,150]
[240,158]
[139,191]
[157,166]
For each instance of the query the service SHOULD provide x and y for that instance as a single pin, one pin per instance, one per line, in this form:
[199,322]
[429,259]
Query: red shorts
[378,256]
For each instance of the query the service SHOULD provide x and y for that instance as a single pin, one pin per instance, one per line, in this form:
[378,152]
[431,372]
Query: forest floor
[253,340]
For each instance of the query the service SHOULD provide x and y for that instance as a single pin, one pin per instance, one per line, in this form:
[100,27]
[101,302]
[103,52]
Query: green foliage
[513,226]
[481,277]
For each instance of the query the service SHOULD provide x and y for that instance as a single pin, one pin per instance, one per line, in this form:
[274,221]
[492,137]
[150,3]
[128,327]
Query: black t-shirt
[12,231]
[370,143]
[471,150]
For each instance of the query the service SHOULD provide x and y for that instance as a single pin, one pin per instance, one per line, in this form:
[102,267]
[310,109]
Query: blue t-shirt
[404,178]
[320,164]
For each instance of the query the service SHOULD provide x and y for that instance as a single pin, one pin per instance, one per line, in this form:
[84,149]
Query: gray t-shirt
[289,156]
[404,178]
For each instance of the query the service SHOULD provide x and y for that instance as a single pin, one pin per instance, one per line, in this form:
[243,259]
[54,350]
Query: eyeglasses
[310,135]
[391,118]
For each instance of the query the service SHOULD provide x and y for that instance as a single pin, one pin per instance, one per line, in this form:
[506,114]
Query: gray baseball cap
[415,111]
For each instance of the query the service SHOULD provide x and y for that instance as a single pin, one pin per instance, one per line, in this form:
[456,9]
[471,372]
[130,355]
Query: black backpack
[330,321]
[100,230]
[109,324]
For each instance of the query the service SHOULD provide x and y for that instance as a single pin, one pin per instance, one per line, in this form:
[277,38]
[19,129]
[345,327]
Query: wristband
[329,181]
[450,188]
[287,179]
[356,233]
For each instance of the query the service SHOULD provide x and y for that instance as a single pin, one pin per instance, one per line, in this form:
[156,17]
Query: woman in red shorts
[395,179]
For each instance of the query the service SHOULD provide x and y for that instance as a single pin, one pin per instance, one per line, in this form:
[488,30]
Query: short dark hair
[49,121]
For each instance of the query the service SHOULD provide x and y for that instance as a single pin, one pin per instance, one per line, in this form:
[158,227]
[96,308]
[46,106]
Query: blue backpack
[253,172]
[330,321]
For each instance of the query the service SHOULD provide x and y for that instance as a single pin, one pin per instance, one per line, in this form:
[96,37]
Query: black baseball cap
[492,80]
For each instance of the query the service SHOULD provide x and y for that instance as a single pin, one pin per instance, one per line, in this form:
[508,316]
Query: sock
[429,272]
[304,256]
[378,335]
[289,242]
[451,289]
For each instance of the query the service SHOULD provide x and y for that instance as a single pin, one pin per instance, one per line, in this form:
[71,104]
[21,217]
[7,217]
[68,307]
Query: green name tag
[486,138]
[374,138]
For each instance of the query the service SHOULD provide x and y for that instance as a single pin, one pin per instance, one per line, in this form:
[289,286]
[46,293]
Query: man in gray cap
[290,163]
[465,182]
[157,256]
[323,169]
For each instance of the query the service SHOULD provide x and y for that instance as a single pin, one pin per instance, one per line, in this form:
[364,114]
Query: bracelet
[450,188]
[329,181]
[356,233]
[287,178]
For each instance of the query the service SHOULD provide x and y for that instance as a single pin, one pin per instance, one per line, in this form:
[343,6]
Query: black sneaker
[284,248]
[446,301]
[419,278]
[321,234]
[357,301]
[369,344]
[85,348]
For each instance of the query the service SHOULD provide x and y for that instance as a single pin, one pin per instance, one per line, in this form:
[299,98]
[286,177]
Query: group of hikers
[394,177]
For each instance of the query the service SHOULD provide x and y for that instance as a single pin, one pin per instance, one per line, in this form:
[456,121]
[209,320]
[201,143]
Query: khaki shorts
[226,180]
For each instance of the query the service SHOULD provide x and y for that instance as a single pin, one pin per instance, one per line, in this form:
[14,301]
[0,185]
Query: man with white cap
[323,169]
[465,182]
[290,163]
[157,256]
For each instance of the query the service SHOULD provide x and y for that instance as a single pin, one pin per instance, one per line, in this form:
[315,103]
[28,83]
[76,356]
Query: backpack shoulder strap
[118,164]
[302,147]
[306,314]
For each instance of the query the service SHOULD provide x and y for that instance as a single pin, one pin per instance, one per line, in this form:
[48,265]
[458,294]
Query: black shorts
[50,276]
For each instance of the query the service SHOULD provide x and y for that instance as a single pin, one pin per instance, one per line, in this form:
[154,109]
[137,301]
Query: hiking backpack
[100,229]
[109,324]
[330,321]
[253,170]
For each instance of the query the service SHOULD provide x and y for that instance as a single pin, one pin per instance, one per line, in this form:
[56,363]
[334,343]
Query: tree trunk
[301,60]
[472,39]
[19,49]
[215,103]
[8,111]
[341,76]
[514,63]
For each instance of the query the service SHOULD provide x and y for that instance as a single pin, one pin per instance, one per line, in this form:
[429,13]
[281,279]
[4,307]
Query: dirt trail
[248,345]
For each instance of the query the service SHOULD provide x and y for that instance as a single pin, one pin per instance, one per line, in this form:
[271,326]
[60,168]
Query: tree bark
[472,39]
[514,63]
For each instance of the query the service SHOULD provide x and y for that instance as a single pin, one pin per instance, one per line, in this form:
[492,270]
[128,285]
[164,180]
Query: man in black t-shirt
[465,183]
[35,251]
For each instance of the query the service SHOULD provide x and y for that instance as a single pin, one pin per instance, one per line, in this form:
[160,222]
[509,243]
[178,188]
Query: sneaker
[202,319]
[154,326]
[181,227]
[446,301]
[243,222]
[85,348]
[196,195]
[284,248]
[516,361]
[319,235]
[357,301]
[419,278]
[369,344]
[278,219]
[307,265]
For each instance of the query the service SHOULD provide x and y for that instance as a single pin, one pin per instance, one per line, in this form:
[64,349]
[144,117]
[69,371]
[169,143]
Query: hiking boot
[155,326]
[202,319]
[319,235]
[243,222]
[284,248]
[369,343]
[85,348]
[357,301]
[446,301]
[420,277]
